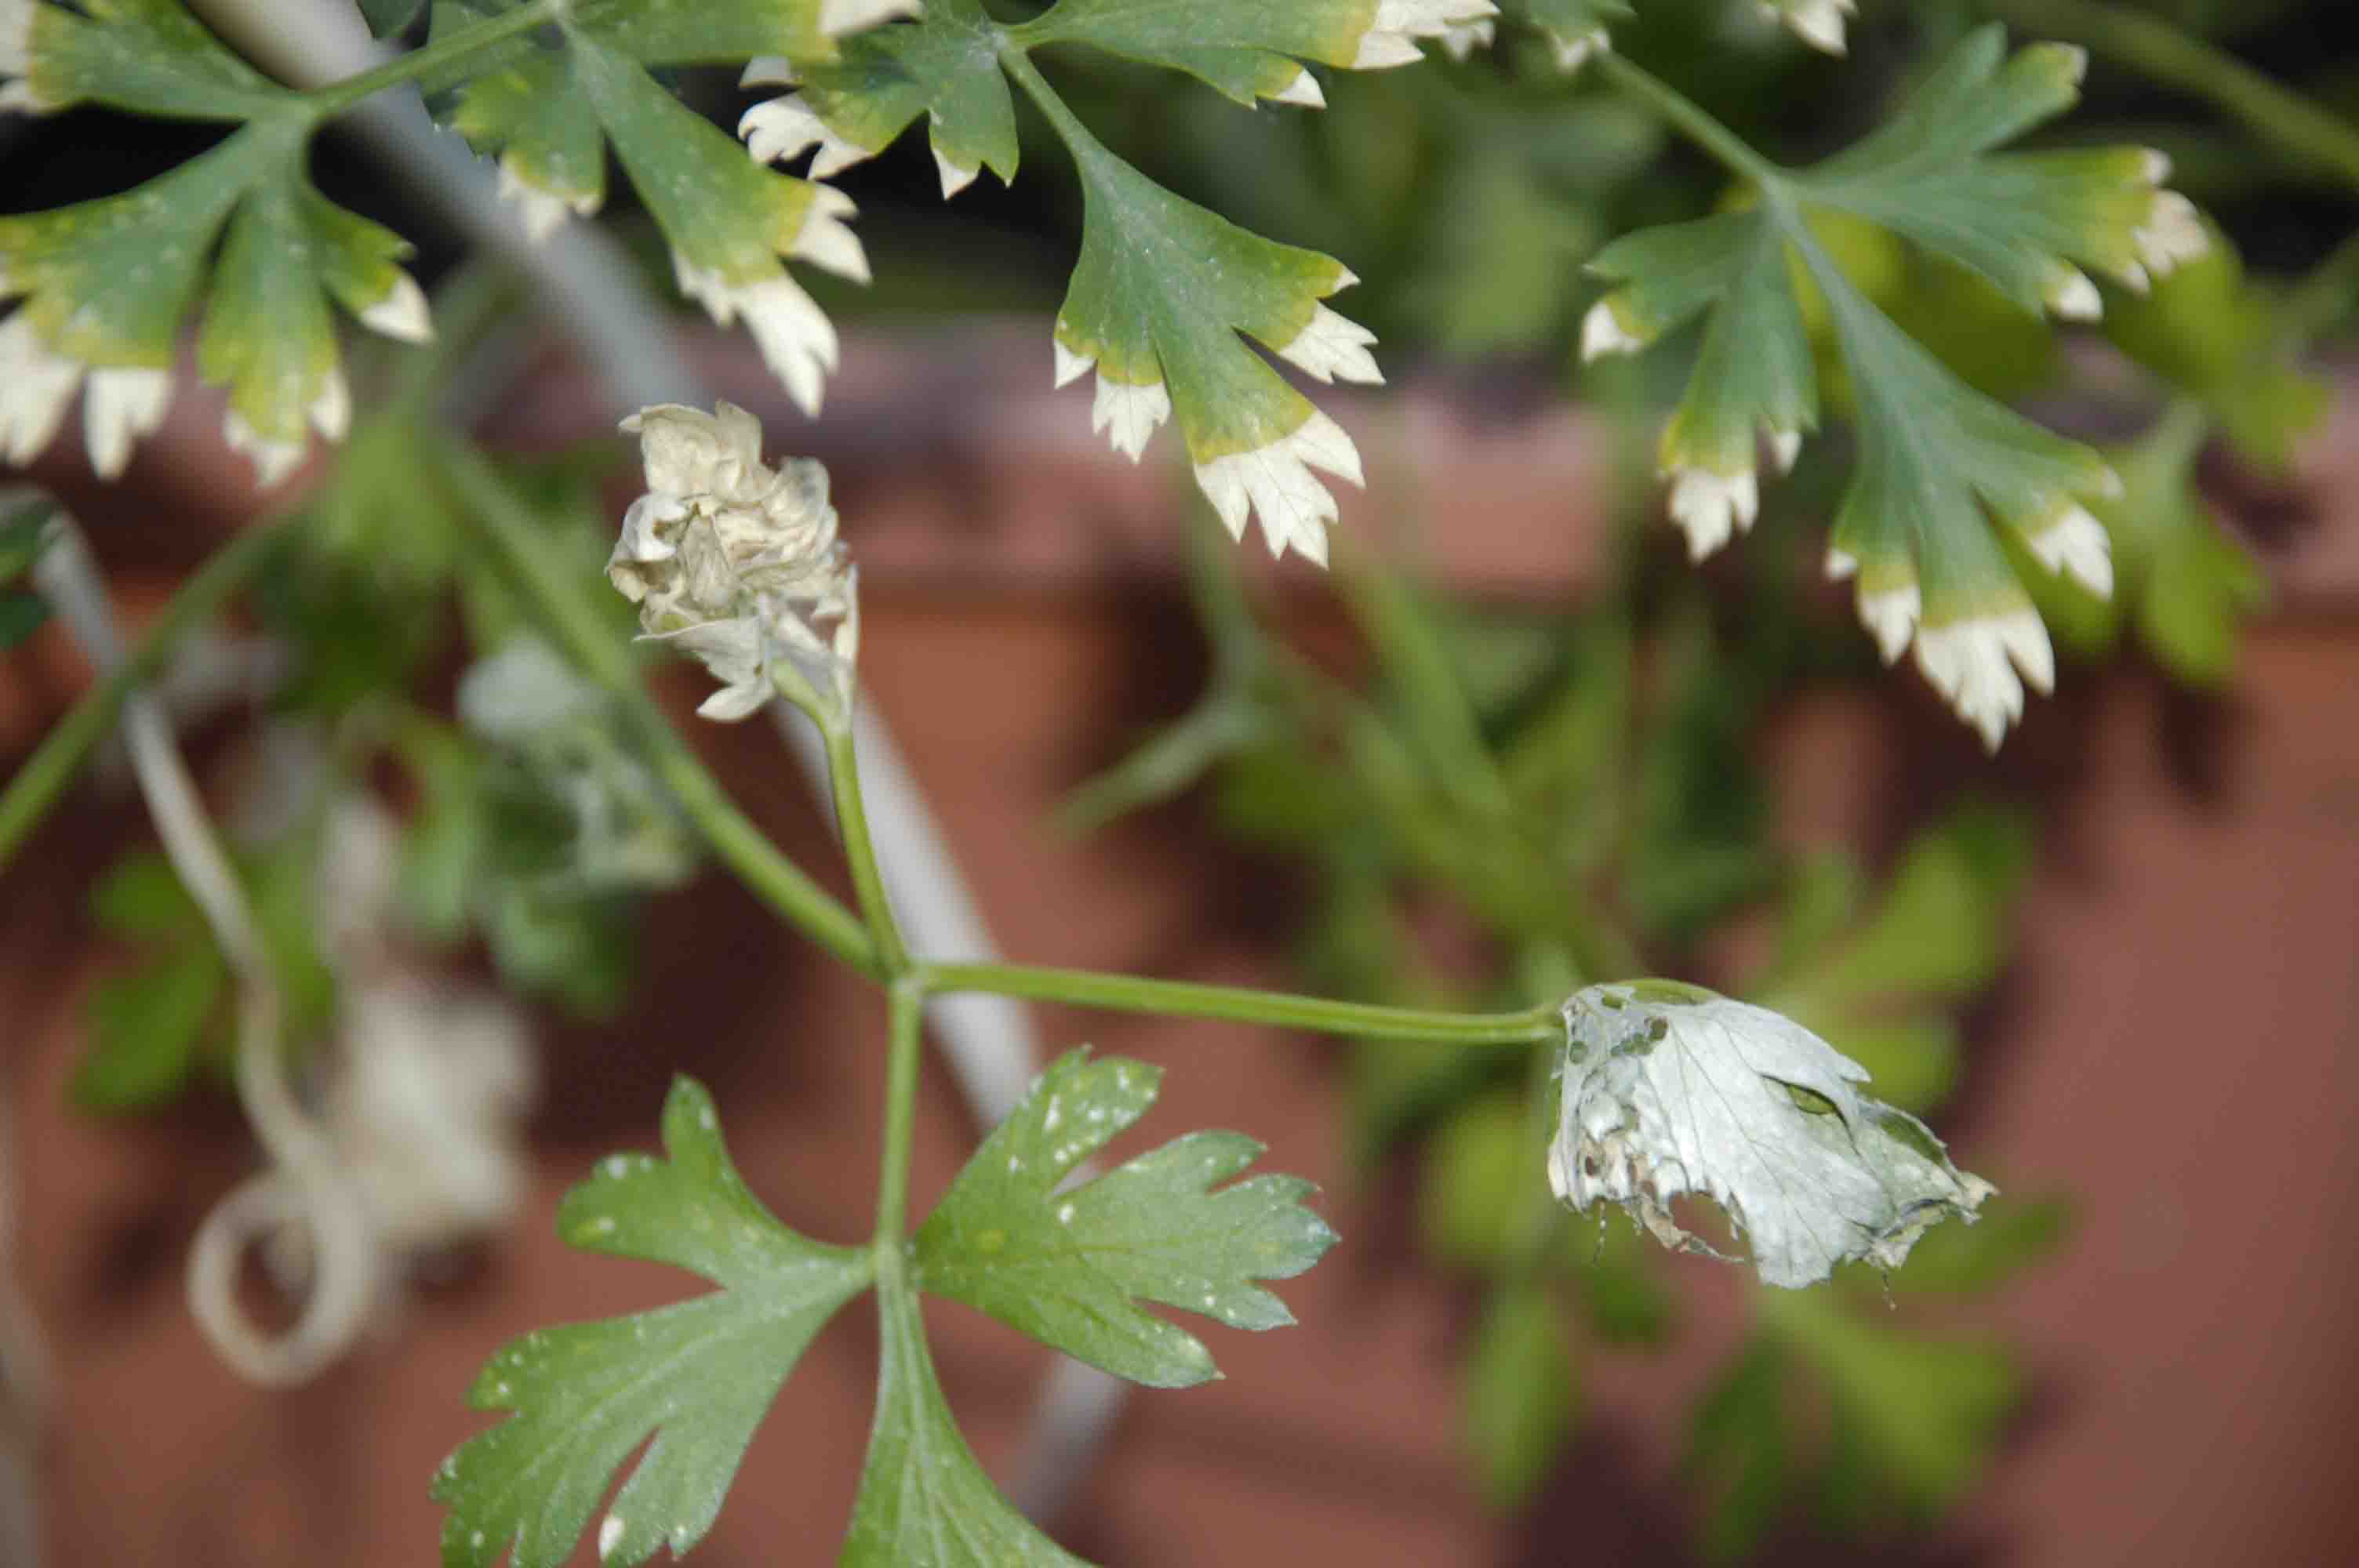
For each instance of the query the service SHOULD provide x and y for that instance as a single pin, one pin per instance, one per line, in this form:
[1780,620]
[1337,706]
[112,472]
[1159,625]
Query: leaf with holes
[698,1376]
[1070,1266]
[1939,463]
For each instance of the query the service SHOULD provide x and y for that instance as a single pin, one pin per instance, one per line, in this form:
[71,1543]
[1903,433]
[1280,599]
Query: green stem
[38,785]
[337,97]
[567,615]
[1684,114]
[2164,54]
[1126,993]
[901,1063]
[1084,146]
[860,850]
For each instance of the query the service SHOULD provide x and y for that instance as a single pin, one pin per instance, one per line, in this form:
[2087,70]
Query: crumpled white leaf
[1668,1089]
[738,564]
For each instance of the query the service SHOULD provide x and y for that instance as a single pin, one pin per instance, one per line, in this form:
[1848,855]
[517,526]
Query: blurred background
[1513,739]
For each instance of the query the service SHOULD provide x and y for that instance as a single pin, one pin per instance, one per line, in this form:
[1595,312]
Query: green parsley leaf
[944,66]
[1575,29]
[924,1502]
[547,111]
[147,57]
[1249,51]
[1068,1266]
[387,17]
[697,1376]
[110,281]
[146,1028]
[1939,462]
[1162,292]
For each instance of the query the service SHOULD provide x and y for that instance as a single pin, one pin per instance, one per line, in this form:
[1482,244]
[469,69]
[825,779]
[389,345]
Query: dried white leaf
[1670,1090]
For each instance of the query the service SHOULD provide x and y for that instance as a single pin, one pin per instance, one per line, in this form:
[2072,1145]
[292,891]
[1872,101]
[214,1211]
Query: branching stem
[1183,998]
[567,615]
[1690,118]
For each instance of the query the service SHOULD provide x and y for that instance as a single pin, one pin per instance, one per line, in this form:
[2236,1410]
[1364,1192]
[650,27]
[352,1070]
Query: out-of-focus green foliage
[1573,796]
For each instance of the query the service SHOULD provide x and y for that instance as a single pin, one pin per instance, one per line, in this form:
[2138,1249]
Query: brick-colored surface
[2178,1047]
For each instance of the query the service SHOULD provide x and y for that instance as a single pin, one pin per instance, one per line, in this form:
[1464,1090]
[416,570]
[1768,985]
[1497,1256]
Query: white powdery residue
[610,1535]
[1056,1115]
[1065,1214]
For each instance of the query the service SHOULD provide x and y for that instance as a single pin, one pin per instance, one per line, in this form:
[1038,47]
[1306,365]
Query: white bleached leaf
[402,313]
[1670,1090]
[1818,23]
[738,565]
[1129,415]
[837,17]
[120,407]
[1973,663]
[796,340]
[542,213]
[2077,544]
[1573,50]
[1335,345]
[785,127]
[37,388]
[1274,482]
[1603,333]
[1464,37]
[1392,35]
[1304,90]
[1711,507]
[955,176]
[273,460]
